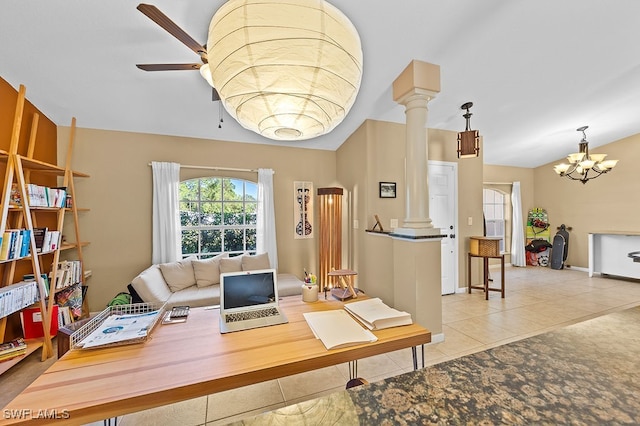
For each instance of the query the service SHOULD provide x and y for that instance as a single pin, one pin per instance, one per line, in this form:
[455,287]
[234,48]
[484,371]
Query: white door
[443,211]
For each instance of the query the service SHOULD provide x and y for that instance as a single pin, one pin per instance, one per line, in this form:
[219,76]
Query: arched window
[496,215]
[218,215]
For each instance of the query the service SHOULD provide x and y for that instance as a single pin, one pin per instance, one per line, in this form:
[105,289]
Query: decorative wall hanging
[303,209]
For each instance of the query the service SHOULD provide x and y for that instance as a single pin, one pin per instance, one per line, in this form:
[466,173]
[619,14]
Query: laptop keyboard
[247,315]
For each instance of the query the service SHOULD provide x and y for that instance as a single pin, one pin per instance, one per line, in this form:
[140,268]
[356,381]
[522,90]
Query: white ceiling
[535,70]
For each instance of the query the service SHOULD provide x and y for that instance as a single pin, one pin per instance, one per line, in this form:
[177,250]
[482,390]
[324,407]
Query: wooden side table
[485,270]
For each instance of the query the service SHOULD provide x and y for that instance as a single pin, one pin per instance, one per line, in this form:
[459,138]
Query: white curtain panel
[266,219]
[166,213]
[517,234]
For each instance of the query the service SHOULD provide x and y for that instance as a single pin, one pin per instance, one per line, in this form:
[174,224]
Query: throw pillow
[207,271]
[253,263]
[231,264]
[178,275]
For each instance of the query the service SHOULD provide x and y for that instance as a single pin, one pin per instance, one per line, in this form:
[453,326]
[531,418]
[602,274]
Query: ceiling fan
[163,20]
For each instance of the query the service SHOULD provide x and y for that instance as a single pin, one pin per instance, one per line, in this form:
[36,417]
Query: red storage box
[32,322]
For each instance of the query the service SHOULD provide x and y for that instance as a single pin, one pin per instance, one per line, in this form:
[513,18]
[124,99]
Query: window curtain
[266,220]
[166,245]
[517,234]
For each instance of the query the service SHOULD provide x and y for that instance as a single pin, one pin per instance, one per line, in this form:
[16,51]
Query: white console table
[609,253]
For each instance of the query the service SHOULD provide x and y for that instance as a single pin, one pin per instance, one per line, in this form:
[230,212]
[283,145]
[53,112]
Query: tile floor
[537,300]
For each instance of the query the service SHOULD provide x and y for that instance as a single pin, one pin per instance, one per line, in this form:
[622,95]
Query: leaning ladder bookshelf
[18,174]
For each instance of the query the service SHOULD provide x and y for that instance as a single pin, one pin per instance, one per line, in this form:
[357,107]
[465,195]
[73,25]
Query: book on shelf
[38,236]
[15,199]
[18,296]
[12,349]
[15,244]
[337,329]
[376,315]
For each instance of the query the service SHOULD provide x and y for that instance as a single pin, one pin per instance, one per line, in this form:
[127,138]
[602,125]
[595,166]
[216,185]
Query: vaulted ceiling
[535,70]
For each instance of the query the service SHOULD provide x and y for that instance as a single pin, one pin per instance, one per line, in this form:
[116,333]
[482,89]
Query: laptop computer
[249,299]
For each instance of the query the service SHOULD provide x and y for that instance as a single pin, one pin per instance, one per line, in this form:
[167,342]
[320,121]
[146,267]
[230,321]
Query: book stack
[15,244]
[46,240]
[18,296]
[42,196]
[69,272]
[12,349]
[376,315]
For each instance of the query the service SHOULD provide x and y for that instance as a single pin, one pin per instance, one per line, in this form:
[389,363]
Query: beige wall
[375,153]
[501,176]
[608,203]
[118,194]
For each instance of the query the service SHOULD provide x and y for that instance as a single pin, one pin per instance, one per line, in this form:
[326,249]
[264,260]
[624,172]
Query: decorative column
[414,88]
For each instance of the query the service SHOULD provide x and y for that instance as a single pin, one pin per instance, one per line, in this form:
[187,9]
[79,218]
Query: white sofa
[196,282]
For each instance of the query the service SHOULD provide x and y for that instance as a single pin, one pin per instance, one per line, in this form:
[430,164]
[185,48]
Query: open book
[375,315]
[337,329]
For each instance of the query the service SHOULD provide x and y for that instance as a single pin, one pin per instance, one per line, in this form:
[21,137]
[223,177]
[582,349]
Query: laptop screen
[248,288]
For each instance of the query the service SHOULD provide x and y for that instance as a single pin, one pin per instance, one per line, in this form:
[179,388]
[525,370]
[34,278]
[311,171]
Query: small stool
[346,282]
[485,268]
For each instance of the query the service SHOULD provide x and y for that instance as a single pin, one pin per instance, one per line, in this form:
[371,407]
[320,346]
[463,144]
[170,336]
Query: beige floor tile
[242,400]
[455,342]
[303,384]
[374,366]
[192,412]
[240,416]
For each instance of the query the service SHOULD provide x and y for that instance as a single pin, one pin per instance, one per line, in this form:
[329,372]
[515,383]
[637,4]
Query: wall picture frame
[387,190]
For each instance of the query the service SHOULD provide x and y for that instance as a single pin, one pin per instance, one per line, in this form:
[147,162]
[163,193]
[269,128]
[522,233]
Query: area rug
[584,374]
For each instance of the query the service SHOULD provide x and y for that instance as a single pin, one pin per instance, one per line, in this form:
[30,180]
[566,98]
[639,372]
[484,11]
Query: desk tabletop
[187,360]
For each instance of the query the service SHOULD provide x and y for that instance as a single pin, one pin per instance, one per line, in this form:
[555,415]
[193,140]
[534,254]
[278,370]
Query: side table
[64,335]
[485,270]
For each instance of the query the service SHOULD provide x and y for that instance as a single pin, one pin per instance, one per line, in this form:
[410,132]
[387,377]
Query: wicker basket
[484,246]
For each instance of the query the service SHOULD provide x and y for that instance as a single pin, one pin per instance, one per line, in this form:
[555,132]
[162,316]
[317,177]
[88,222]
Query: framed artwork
[387,190]
[303,210]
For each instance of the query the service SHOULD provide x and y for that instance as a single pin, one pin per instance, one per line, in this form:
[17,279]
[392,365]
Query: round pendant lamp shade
[287,70]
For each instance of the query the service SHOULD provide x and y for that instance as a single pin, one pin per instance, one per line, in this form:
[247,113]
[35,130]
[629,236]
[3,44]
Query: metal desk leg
[353,369]
[414,352]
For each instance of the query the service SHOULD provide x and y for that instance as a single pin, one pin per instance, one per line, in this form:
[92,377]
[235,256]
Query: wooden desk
[187,360]
[485,271]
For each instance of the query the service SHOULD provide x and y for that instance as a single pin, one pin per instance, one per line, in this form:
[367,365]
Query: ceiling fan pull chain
[220,115]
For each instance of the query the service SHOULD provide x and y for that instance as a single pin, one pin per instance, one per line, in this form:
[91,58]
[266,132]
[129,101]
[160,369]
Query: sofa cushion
[207,271]
[231,264]
[195,296]
[253,263]
[151,286]
[178,275]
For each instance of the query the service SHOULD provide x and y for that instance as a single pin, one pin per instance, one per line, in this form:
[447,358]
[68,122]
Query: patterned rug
[584,374]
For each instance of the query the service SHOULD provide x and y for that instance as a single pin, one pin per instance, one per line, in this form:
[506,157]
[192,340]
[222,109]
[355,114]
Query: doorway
[443,211]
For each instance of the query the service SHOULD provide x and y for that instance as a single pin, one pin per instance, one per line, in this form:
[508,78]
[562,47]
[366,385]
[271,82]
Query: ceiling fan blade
[168,67]
[163,20]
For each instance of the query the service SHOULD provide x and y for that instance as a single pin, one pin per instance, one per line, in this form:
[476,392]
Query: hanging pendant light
[469,140]
[582,165]
[287,70]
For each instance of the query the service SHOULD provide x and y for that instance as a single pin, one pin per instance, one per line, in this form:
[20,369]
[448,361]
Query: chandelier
[582,165]
[285,70]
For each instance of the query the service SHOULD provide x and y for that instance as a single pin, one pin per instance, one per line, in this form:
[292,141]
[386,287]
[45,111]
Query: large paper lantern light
[287,70]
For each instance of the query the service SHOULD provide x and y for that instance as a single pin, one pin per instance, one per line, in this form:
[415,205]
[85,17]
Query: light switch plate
[393,223]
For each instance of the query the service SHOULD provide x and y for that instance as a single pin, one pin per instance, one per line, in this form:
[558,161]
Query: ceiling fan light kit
[285,70]
[582,165]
